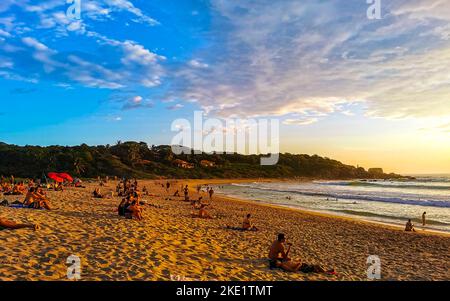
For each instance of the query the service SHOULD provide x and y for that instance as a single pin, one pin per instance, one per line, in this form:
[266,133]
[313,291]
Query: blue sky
[340,83]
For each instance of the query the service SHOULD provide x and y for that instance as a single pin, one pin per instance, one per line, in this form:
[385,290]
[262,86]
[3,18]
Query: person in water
[6,224]
[409,227]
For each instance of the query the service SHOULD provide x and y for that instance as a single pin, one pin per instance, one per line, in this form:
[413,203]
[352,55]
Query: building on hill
[183,164]
[376,171]
[206,163]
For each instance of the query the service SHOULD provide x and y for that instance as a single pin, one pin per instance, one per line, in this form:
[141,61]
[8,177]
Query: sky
[368,92]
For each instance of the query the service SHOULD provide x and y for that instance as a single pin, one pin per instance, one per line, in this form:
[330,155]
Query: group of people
[127,186]
[13,188]
[35,198]
[409,227]
[130,206]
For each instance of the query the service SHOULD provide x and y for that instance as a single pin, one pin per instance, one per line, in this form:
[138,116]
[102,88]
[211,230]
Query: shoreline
[419,229]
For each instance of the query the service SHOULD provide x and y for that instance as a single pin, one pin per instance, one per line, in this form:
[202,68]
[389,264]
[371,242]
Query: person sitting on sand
[121,208]
[279,258]
[247,224]
[7,189]
[409,227]
[29,197]
[144,190]
[10,225]
[40,200]
[97,194]
[18,189]
[136,210]
[277,253]
[202,213]
[177,193]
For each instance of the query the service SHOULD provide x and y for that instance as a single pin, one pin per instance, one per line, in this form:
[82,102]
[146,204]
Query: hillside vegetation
[137,159]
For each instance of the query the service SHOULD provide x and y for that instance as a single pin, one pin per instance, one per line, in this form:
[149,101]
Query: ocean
[386,201]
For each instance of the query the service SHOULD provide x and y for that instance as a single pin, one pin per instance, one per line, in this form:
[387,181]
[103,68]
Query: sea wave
[358,196]
[386,185]
[385,216]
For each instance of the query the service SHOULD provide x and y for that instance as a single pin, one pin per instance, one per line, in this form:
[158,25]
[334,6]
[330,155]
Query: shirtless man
[40,197]
[29,198]
[277,253]
[202,213]
[7,224]
[279,258]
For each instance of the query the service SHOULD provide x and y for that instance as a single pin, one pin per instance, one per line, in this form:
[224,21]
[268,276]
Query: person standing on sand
[10,225]
[424,220]
[211,193]
[186,193]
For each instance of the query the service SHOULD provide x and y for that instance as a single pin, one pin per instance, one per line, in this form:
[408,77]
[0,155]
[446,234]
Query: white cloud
[197,64]
[304,121]
[310,57]
[175,107]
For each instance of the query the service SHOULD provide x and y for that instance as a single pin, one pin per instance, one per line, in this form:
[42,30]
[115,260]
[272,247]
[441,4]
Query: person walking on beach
[424,220]
[186,193]
[211,193]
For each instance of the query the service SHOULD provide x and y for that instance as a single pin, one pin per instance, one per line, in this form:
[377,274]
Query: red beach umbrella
[65,176]
[55,176]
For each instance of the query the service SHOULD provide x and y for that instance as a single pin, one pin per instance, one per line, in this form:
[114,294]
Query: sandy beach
[171,245]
